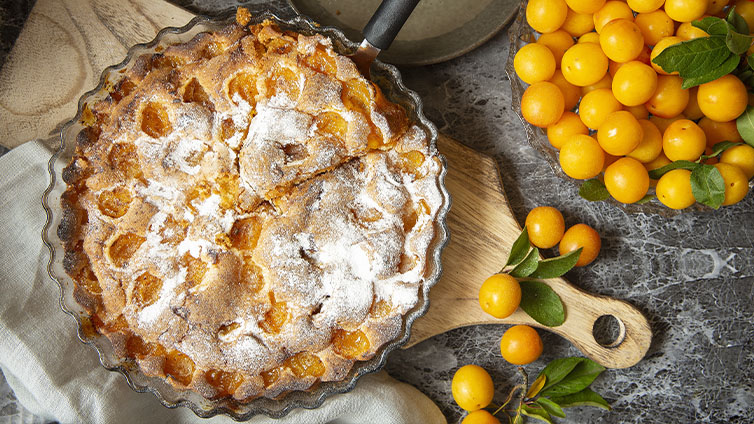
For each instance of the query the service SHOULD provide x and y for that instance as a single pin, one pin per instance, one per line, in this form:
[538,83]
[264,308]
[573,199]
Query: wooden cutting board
[67,43]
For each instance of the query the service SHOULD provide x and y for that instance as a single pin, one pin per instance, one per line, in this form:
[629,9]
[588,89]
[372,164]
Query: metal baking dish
[389,80]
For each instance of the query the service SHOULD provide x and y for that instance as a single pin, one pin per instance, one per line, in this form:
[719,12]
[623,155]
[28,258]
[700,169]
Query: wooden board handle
[583,310]
[482,231]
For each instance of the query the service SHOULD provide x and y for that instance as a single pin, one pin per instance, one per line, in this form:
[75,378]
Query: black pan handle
[387,21]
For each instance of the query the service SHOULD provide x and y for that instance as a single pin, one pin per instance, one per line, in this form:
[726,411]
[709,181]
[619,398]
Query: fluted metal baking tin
[386,76]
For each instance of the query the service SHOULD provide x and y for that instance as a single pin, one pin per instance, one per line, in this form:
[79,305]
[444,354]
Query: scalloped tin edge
[322,390]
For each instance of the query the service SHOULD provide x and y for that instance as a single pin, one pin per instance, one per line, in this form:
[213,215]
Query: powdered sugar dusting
[194,247]
[209,207]
[168,294]
[278,124]
[352,232]
[184,150]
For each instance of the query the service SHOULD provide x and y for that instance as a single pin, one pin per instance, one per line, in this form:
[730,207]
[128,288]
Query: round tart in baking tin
[293,257]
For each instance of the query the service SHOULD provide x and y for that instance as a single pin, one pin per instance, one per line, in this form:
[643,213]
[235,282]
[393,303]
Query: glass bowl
[389,80]
[520,34]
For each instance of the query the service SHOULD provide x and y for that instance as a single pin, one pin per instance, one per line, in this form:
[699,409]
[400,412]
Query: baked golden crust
[247,215]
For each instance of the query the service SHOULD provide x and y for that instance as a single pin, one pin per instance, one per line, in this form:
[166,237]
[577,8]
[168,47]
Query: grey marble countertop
[692,275]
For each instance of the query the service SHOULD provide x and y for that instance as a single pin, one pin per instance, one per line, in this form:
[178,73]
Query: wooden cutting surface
[67,43]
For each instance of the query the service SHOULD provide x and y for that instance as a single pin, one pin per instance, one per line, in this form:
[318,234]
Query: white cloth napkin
[58,378]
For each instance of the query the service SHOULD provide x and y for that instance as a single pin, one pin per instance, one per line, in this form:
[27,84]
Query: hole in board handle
[609,331]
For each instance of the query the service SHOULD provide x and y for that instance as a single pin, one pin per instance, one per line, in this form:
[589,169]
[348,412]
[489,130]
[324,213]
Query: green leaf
[577,380]
[694,57]
[750,61]
[712,25]
[749,81]
[536,386]
[542,303]
[730,63]
[719,148]
[519,248]
[745,75]
[745,124]
[558,369]
[738,43]
[708,186]
[585,397]
[528,265]
[593,190]
[646,199]
[557,266]
[537,413]
[518,419]
[679,164]
[737,21]
[551,407]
